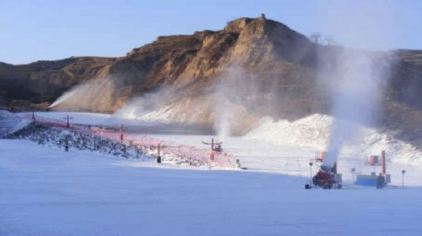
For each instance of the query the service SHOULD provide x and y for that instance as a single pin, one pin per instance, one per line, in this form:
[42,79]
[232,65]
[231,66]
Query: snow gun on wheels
[326,178]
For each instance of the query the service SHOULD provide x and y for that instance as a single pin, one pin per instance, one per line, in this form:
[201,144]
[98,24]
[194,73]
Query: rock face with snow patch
[36,85]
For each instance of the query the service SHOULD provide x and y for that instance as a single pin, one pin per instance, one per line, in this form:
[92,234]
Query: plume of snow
[356,80]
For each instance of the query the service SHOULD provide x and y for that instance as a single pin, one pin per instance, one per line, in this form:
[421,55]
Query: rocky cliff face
[40,83]
[254,67]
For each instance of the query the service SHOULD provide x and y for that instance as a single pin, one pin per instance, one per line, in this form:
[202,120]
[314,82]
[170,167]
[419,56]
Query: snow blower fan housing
[326,178]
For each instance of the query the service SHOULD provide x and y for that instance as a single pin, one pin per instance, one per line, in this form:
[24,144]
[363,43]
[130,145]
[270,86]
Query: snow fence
[170,152]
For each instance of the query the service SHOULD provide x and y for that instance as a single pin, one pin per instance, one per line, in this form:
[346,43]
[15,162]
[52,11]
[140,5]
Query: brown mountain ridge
[254,66]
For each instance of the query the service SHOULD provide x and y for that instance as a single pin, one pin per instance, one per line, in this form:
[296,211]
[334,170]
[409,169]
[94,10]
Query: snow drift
[313,132]
[10,123]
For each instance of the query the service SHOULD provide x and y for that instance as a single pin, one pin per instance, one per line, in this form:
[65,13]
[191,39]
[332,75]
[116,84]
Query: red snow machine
[326,178]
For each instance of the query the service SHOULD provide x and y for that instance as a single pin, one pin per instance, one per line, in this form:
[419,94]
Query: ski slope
[10,123]
[46,191]
[281,146]
[313,132]
[293,160]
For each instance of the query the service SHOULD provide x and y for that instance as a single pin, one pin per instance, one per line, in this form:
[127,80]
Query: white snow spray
[222,125]
[357,78]
[94,94]
[221,110]
[356,96]
[231,91]
[148,102]
[67,95]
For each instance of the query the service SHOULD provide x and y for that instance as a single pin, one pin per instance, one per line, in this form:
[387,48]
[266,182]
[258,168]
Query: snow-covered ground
[287,147]
[46,191]
[313,132]
[10,123]
[294,160]
[88,118]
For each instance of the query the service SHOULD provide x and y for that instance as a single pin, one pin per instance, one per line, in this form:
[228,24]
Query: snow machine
[326,178]
[215,146]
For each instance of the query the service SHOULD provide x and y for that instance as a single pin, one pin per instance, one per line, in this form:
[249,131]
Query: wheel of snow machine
[308,186]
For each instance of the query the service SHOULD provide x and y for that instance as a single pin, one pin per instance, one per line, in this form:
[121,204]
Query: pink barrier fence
[191,154]
[172,150]
[45,121]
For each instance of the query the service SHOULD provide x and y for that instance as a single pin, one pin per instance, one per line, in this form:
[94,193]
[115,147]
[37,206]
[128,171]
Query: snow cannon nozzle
[327,177]
[327,168]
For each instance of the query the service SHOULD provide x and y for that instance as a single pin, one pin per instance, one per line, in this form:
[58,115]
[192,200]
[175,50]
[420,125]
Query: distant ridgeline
[254,67]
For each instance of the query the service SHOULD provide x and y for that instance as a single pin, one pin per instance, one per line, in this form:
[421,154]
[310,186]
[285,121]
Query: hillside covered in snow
[313,132]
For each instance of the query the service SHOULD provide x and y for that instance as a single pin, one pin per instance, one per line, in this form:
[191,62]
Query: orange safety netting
[190,154]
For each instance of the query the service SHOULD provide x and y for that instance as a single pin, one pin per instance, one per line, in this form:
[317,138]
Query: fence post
[67,122]
[402,178]
[121,134]
[158,153]
[66,144]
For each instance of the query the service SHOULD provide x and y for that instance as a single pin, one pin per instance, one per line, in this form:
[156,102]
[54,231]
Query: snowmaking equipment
[326,178]
[216,147]
[380,180]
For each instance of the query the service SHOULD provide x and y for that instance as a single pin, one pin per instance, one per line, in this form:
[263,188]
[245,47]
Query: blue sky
[52,29]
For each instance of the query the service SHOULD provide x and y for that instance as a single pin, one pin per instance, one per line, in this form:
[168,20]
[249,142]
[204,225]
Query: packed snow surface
[313,132]
[46,191]
[10,123]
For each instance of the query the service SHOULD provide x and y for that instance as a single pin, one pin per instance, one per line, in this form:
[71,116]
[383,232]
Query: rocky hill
[254,67]
[38,84]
